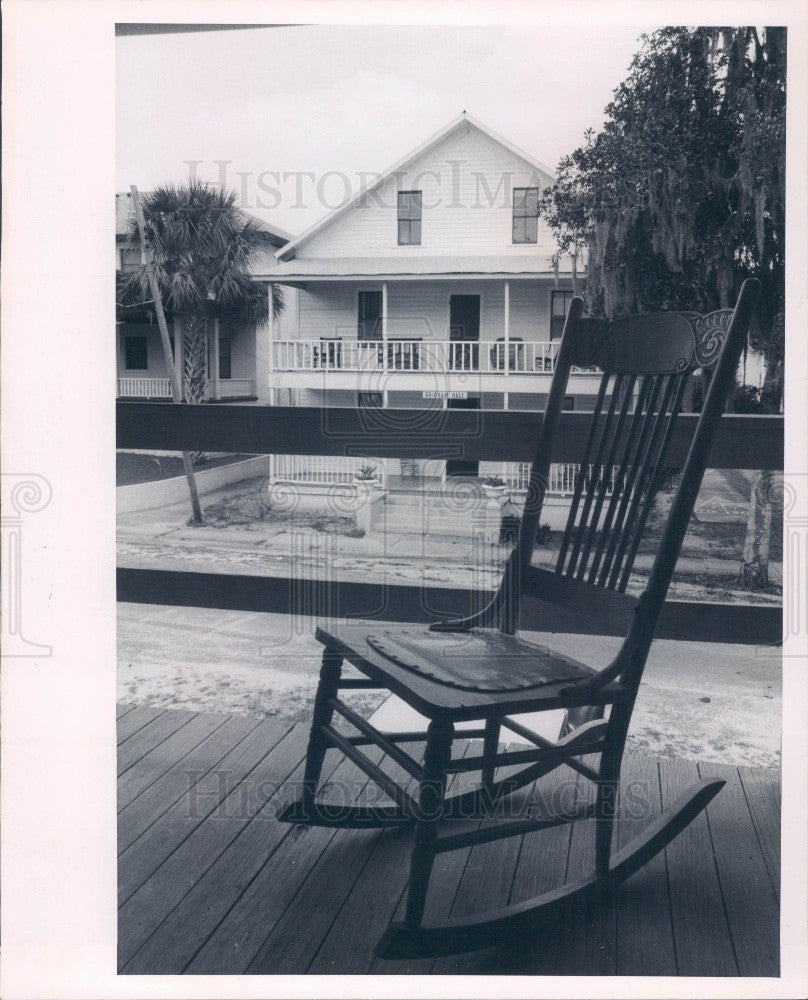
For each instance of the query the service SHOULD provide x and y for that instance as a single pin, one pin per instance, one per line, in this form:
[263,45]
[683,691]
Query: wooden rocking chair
[479,669]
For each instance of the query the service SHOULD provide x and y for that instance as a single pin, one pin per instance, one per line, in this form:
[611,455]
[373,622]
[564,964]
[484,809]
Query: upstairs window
[559,304]
[409,218]
[525,215]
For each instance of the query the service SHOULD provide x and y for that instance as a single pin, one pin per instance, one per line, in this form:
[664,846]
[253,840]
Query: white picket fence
[327,470]
[562,477]
[322,470]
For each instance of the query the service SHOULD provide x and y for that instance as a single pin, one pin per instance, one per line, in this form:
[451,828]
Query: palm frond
[201,247]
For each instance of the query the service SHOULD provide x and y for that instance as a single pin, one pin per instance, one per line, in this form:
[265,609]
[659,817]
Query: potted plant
[367,475]
[494,486]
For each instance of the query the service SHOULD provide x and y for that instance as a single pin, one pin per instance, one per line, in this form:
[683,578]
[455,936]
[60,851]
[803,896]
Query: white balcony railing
[441,356]
[142,387]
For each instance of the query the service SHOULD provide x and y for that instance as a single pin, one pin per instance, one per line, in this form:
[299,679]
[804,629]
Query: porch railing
[742,442]
[442,356]
[137,387]
[147,387]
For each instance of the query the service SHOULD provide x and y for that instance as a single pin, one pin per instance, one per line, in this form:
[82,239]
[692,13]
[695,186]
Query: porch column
[118,358]
[270,367]
[506,330]
[214,368]
[385,396]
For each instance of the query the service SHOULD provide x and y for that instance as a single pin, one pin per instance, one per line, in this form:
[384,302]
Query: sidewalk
[704,701]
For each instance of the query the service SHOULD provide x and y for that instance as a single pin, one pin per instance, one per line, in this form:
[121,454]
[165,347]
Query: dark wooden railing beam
[696,621]
[742,442]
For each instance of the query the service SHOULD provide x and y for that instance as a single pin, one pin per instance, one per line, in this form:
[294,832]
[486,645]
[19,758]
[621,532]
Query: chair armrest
[480,620]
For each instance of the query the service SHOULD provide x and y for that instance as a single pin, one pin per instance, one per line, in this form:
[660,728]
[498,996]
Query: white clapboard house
[436,285]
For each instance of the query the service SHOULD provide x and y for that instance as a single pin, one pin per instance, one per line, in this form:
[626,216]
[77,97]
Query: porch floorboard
[210,882]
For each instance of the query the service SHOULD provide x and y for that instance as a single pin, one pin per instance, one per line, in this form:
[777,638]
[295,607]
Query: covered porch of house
[230,361]
[393,331]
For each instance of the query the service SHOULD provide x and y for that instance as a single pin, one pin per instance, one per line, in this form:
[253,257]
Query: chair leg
[328,687]
[606,808]
[431,794]
[490,747]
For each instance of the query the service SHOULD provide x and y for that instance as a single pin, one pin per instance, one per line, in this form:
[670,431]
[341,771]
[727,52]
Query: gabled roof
[123,214]
[464,118]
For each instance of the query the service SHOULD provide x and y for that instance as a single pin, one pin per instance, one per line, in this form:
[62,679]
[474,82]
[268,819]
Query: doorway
[464,332]
[464,325]
[460,466]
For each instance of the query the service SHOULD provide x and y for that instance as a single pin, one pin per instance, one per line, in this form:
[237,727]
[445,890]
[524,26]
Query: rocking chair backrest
[646,363]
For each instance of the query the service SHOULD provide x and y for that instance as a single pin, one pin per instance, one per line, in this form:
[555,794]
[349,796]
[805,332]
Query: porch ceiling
[445,267]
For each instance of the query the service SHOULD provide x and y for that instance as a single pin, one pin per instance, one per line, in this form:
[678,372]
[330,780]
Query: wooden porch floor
[210,882]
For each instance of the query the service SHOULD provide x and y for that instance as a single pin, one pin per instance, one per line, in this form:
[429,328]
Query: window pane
[136,354]
[518,230]
[415,204]
[518,201]
[403,204]
[531,230]
[532,201]
[415,232]
[403,232]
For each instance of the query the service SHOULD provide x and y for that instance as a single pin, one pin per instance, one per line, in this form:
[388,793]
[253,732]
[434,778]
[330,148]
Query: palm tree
[201,247]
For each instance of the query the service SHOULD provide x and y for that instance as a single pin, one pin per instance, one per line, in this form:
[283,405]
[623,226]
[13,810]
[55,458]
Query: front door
[459,466]
[464,325]
[369,321]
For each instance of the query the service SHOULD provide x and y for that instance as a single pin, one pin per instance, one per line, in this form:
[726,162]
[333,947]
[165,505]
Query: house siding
[466,179]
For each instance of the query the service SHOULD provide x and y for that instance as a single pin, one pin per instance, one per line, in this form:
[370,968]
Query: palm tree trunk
[176,389]
[195,365]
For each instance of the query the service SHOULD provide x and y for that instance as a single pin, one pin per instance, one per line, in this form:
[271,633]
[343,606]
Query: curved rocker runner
[480,670]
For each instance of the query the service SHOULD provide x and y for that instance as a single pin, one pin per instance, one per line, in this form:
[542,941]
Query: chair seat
[457,674]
